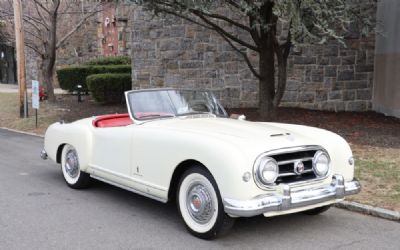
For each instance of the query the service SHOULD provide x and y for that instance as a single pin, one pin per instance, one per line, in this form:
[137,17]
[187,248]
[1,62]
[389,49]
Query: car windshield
[153,104]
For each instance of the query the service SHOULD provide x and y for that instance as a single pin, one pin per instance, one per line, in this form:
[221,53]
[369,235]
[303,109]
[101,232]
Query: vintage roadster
[180,144]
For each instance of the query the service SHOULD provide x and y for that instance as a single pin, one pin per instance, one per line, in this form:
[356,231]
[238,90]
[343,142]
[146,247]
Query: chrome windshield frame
[141,121]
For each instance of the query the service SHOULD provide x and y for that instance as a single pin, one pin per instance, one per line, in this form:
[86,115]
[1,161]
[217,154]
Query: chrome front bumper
[43,154]
[289,199]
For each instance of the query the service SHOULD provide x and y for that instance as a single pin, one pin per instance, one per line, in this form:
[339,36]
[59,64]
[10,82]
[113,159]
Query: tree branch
[179,7]
[38,3]
[78,25]
[33,47]
[41,16]
[34,23]
[288,44]
[184,17]
[254,33]
[280,51]
[228,20]
[246,58]
[35,35]
[222,31]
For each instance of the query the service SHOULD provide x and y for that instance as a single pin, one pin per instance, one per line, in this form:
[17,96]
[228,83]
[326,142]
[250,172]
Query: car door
[112,148]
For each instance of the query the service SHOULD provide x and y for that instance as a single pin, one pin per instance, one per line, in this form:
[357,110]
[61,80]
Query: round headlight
[267,171]
[321,163]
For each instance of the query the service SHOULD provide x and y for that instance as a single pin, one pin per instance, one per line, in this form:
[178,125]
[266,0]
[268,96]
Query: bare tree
[44,26]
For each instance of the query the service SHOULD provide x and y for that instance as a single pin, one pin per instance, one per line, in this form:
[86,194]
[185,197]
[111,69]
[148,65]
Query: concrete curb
[370,210]
[22,132]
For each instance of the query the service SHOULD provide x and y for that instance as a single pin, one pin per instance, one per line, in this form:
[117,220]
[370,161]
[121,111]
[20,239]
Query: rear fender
[77,135]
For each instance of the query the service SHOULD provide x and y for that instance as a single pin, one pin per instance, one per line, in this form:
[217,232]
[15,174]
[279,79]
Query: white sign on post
[35,94]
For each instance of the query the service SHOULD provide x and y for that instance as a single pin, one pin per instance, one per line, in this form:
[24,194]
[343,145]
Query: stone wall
[332,77]
[171,52]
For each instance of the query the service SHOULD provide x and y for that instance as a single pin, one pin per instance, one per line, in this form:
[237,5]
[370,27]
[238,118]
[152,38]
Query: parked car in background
[180,145]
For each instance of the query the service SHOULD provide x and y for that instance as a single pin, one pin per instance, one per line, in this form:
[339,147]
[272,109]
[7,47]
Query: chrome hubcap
[72,164]
[199,203]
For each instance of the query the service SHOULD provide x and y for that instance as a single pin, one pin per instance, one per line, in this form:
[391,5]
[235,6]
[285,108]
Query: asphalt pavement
[39,211]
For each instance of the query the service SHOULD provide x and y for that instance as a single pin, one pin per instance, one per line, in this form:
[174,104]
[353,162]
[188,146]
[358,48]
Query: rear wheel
[316,211]
[200,204]
[70,167]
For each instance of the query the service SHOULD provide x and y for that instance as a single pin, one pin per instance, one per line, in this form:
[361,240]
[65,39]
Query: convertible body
[258,168]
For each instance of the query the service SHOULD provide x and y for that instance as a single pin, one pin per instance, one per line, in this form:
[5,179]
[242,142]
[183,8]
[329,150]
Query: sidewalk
[8,88]
[13,88]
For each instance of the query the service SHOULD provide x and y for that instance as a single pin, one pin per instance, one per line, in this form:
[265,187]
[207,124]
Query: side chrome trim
[128,178]
[288,199]
[128,188]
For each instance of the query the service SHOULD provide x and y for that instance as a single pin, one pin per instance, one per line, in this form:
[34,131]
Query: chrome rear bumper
[288,199]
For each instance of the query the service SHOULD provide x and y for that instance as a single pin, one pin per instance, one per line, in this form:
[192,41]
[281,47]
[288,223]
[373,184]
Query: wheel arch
[178,172]
[59,152]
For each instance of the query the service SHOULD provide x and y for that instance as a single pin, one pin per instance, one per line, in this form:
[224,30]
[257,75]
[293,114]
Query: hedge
[109,87]
[71,76]
[112,60]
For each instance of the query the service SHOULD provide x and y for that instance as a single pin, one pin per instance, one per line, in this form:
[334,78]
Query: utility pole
[19,45]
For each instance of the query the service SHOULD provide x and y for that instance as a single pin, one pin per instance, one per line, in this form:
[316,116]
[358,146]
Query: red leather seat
[114,120]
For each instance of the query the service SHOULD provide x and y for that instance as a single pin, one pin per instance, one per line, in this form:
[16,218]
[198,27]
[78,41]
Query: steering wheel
[200,106]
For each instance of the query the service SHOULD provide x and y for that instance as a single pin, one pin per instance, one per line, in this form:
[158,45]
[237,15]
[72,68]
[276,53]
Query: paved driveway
[38,211]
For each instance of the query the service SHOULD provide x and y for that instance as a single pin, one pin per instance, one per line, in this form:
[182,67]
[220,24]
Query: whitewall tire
[200,204]
[70,167]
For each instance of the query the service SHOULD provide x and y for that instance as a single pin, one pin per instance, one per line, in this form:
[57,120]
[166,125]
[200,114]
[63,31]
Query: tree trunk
[282,77]
[50,60]
[267,82]
[47,77]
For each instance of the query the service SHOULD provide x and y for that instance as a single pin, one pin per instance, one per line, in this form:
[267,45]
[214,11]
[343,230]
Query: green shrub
[112,60]
[109,87]
[71,76]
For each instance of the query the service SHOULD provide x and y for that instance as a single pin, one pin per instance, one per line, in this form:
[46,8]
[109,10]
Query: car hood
[256,135]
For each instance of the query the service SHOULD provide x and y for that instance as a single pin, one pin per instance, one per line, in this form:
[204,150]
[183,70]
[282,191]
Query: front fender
[158,158]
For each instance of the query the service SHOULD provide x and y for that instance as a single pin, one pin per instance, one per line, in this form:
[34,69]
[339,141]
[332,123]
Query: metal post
[79,87]
[26,112]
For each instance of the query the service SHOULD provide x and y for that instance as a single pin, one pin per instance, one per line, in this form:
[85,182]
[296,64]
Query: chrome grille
[287,161]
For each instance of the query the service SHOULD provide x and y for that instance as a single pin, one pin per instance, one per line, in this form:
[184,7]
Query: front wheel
[70,167]
[200,204]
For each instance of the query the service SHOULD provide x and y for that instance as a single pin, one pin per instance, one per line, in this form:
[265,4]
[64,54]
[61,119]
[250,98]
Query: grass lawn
[379,172]
[374,138]
[9,115]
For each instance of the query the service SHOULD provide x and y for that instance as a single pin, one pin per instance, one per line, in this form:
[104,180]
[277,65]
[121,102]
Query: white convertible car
[179,144]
